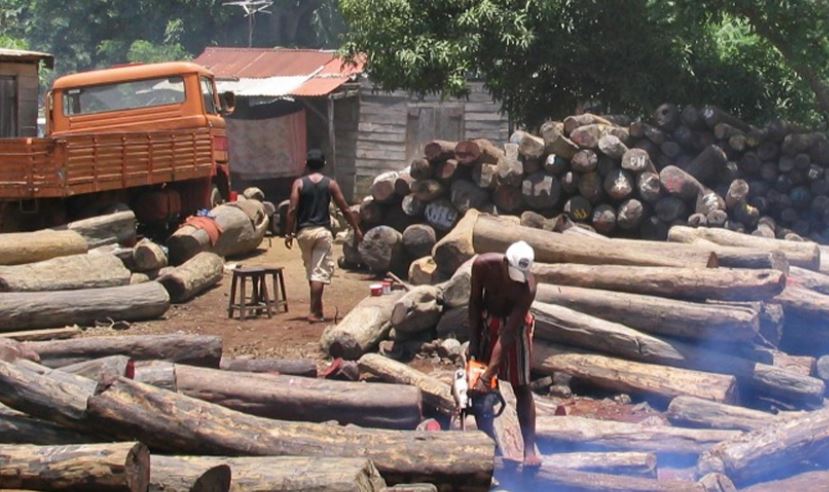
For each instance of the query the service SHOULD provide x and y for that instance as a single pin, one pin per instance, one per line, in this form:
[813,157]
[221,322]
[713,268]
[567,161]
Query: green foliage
[542,58]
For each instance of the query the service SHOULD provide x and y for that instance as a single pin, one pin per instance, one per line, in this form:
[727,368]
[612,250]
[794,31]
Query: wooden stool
[280,296]
[259,300]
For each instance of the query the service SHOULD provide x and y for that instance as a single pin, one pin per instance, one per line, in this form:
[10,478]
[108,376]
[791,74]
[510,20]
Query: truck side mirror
[228,102]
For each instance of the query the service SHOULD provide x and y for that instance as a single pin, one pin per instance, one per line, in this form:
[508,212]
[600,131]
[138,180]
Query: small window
[124,95]
[209,96]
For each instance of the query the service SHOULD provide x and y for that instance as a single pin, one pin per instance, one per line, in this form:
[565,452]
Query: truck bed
[87,163]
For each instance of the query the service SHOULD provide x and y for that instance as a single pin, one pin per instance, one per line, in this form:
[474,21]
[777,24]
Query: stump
[193,277]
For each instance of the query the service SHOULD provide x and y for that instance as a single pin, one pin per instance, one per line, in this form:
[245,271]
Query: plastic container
[234,196]
[386,287]
[376,289]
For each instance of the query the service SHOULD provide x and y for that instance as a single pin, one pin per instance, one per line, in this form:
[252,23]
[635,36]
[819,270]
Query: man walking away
[501,330]
[308,213]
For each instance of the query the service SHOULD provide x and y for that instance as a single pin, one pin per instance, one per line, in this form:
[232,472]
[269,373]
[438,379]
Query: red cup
[234,196]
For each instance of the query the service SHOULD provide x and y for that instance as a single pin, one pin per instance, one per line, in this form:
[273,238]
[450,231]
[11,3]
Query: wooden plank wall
[393,127]
[27,89]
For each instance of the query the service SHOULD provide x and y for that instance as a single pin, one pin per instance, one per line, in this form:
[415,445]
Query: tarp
[268,148]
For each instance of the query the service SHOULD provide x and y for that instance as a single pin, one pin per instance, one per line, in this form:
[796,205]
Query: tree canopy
[543,58]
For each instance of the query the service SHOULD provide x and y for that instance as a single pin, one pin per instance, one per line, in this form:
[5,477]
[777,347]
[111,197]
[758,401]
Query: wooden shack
[19,85]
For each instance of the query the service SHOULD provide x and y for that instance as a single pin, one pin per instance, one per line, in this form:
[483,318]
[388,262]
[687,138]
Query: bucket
[376,289]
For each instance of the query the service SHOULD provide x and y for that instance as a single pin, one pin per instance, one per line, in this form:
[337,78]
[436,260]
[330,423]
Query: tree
[541,58]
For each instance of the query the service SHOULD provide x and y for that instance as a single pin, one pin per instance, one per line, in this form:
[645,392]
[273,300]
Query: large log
[615,463]
[556,141]
[417,310]
[295,367]
[19,310]
[439,150]
[805,304]
[580,433]
[114,228]
[287,473]
[194,276]
[148,256]
[437,395]
[802,481]
[362,329]
[87,271]
[635,377]
[658,315]
[241,232]
[101,369]
[802,254]
[469,152]
[41,335]
[456,247]
[382,249]
[418,240]
[28,247]
[382,188]
[689,411]
[169,421]
[201,350]
[116,466]
[801,277]
[775,448]
[493,235]
[540,190]
[555,478]
[22,429]
[680,283]
[391,406]
[173,474]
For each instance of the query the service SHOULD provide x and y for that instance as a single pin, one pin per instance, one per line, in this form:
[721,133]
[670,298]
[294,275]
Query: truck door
[8,106]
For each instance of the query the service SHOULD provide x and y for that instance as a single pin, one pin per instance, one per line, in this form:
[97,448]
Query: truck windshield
[124,95]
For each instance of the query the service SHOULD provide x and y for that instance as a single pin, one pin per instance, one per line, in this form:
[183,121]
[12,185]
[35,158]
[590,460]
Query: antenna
[251,8]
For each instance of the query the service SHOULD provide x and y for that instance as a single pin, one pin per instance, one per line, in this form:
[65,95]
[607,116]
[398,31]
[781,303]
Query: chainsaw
[481,404]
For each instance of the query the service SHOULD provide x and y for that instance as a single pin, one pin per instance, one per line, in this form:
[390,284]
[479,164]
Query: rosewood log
[550,477]
[87,271]
[362,329]
[173,474]
[194,276]
[294,367]
[22,429]
[101,369]
[615,463]
[114,228]
[689,411]
[28,247]
[437,395]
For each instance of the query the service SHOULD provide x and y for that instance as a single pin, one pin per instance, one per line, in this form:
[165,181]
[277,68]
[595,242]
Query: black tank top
[314,199]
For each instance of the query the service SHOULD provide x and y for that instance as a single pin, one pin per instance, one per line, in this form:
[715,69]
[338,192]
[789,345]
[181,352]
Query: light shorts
[315,244]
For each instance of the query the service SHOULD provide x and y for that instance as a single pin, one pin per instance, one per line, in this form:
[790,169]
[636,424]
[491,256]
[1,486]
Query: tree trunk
[28,247]
[294,367]
[382,249]
[148,256]
[585,433]
[41,335]
[193,277]
[174,474]
[22,429]
[808,279]
[87,271]
[440,150]
[362,329]
[695,412]
[114,228]
[679,283]
[169,421]
[304,399]
[805,303]
[482,151]
[802,481]
[83,307]
[772,449]
[437,395]
[117,467]
[615,463]
[491,234]
[658,315]
[200,350]
[102,369]
[382,188]
[636,377]
[802,254]
[416,311]
[286,473]
[241,232]
[552,477]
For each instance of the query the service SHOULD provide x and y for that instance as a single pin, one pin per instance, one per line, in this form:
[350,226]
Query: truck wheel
[215,197]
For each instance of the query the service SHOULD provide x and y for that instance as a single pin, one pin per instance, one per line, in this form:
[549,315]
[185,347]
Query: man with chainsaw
[501,331]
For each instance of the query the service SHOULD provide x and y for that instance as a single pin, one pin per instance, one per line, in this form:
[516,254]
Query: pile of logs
[686,166]
[727,332]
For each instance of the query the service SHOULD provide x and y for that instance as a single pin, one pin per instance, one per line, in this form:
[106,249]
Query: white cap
[520,258]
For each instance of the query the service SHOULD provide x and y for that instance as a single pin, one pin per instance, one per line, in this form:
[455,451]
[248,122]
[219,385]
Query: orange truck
[151,136]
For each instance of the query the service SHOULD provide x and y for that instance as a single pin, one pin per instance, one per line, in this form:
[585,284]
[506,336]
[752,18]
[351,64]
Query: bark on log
[115,228]
[382,249]
[174,474]
[456,247]
[116,466]
[17,248]
[22,429]
[290,473]
[555,140]
[391,406]
[148,256]
[611,146]
[83,307]
[634,377]
[158,373]
[677,182]
[241,232]
[696,412]
[802,254]
[193,277]
[678,283]
[417,310]
[437,395]
[362,329]
[802,481]
[586,433]
[455,291]
[658,315]
[490,235]
[808,279]
[440,150]
[615,463]
[554,478]
[382,188]
[776,447]
[200,350]
[102,369]
[587,136]
[166,420]
[574,121]
[40,335]
[529,146]
[805,304]
[65,273]
[480,150]
[294,367]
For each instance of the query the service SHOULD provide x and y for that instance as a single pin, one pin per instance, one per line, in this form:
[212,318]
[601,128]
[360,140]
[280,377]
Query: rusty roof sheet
[7,54]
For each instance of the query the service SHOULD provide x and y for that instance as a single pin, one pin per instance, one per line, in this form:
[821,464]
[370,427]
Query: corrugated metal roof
[273,72]
[7,54]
